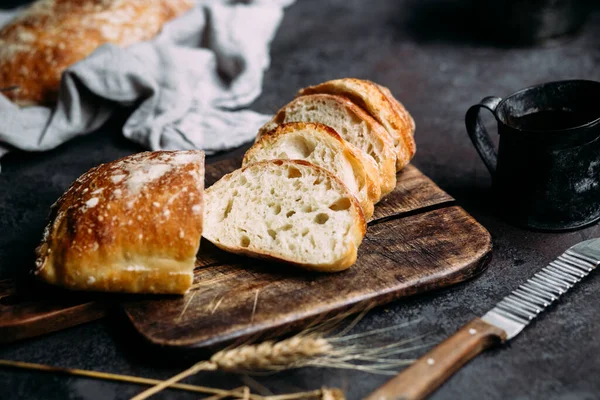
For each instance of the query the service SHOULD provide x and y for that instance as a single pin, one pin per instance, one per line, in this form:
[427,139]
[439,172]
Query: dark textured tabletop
[426,53]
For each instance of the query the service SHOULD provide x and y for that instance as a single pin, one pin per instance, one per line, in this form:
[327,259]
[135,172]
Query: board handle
[31,311]
[430,371]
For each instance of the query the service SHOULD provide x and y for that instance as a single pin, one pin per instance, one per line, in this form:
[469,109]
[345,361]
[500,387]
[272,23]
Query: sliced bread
[379,102]
[351,122]
[286,210]
[322,146]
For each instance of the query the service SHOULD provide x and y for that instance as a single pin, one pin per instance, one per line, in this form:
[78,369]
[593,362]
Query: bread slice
[322,146]
[379,102]
[286,210]
[351,122]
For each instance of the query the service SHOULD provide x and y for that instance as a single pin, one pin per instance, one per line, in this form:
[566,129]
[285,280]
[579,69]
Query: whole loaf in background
[50,35]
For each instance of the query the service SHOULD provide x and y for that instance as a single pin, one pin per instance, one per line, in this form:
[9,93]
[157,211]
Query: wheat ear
[267,356]
[308,348]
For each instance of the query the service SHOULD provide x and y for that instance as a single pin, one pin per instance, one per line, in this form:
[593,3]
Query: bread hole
[283,155]
[280,116]
[361,184]
[276,209]
[227,209]
[244,241]
[304,147]
[294,172]
[286,227]
[318,180]
[272,191]
[272,233]
[356,120]
[290,213]
[307,208]
[342,204]
[304,232]
[243,180]
[292,246]
[321,218]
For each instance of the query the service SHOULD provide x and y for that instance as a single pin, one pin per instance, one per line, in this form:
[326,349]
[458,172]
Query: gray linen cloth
[175,84]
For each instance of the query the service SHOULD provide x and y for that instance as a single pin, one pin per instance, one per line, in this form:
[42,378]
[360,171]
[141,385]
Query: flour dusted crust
[50,35]
[132,225]
[379,102]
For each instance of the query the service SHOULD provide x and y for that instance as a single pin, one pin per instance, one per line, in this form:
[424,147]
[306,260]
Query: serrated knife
[503,322]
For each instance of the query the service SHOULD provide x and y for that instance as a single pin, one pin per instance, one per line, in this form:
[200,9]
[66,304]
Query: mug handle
[479,135]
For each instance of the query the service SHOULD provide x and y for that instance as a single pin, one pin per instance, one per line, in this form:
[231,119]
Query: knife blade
[503,322]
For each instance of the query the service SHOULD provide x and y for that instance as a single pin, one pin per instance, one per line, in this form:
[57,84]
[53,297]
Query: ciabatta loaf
[286,210]
[50,35]
[132,225]
[352,123]
[379,102]
[322,146]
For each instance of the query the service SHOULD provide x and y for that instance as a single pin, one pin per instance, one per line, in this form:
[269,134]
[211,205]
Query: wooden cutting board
[418,240]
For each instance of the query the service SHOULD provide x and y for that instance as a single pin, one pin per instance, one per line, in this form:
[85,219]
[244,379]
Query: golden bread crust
[369,177]
[408,125]
[51,35]
[131,225]
[386,166]
[381,105]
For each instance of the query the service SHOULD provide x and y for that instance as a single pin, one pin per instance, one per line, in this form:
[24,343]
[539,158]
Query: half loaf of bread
[132,225]
[322,146]
[286,210]
[351,122]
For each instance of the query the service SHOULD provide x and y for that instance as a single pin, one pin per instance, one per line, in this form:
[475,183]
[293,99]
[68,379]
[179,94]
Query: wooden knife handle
[430,371]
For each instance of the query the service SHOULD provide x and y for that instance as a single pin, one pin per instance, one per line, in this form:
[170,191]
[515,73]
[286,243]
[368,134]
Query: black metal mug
[546,174]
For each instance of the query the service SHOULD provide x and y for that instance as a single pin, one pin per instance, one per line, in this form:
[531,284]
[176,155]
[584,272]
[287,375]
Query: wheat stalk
[290,353]
[320,394]
[112,377]
[308,348]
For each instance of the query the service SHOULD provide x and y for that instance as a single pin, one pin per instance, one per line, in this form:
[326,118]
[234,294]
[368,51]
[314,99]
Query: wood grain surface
[416,242]
[29,310]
